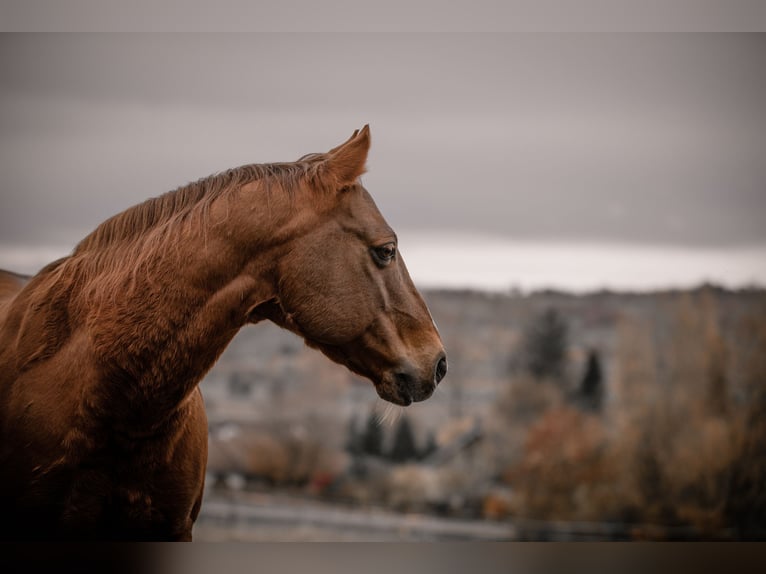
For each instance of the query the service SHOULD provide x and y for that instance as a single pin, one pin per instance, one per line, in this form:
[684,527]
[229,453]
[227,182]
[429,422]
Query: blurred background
[585,215]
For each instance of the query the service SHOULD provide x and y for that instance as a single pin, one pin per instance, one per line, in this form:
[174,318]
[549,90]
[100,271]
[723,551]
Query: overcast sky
[607,139]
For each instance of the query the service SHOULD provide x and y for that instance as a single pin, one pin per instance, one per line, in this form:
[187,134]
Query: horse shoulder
[171,492]
[197,444]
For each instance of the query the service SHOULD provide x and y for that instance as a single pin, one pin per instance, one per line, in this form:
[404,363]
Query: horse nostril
[441,370]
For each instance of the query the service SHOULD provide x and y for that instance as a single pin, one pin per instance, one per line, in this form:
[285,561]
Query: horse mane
[39,336]
[196,197]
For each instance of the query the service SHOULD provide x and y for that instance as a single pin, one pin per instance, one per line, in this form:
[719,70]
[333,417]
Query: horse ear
[336,148]
[347,161]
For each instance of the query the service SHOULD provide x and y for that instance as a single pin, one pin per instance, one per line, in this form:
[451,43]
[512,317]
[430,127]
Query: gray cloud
[642,138]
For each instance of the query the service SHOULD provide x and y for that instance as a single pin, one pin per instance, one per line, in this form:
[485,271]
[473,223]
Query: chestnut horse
[102,426]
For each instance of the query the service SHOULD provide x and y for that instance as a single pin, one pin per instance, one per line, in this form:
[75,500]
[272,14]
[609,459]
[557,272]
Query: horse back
[10,284]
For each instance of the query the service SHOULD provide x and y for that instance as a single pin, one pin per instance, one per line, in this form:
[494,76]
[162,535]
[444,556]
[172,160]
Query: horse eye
[385,253]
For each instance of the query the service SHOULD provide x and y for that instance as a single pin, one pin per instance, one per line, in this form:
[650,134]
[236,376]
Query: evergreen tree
[592,385]
[372,439]
[545,345]
[354,438]
[403,447]
[431,446]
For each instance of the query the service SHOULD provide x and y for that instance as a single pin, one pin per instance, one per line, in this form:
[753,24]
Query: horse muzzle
[406,385]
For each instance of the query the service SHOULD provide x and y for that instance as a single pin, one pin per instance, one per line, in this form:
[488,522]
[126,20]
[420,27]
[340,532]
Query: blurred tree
[431,446]
[372,439]
[403,447]
[716,357]
[545,344]
[745,505]
[240,384]
[592,386]
[354,444]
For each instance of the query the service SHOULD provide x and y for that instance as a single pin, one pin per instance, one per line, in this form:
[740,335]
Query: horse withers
[102,426]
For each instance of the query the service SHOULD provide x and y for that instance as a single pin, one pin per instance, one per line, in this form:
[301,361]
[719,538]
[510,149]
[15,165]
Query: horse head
[343,286]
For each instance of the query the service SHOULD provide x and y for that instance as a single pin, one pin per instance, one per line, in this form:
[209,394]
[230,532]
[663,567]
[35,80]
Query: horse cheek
[328,306]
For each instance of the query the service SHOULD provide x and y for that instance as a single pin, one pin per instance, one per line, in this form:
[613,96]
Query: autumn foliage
[681,442]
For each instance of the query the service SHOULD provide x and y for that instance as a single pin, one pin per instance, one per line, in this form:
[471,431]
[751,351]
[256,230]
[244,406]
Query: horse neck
[159,325]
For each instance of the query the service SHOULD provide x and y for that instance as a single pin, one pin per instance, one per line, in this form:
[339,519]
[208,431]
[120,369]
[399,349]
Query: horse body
[102,425]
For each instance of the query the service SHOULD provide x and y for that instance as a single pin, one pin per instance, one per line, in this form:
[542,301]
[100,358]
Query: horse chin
[402,390]
[393,395]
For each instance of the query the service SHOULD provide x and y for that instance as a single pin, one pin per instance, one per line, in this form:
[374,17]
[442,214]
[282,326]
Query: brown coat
[102,425]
